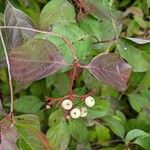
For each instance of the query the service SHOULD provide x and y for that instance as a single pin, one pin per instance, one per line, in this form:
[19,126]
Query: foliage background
[115,114]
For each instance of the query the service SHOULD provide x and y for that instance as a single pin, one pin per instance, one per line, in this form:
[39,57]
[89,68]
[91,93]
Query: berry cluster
[75,113]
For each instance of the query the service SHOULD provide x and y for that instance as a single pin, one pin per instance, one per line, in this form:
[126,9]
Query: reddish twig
[72,79]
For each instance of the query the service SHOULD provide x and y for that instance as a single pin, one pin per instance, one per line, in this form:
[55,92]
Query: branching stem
[69,44]
[73,78]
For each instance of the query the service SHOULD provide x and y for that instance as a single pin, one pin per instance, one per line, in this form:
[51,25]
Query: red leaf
[34,60]
[8,136]
[111,69]
[17,18]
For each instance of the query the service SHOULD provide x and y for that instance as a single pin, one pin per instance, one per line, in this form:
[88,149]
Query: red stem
[72,79]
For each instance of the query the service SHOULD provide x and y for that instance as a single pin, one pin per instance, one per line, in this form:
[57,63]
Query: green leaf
[23,145]
[100,30]
[90,81]
[79,39]
[59,136]
[136,124]
[132,55]
[102,132]
[144,115]
[143,142]
[78,129]
[37,88]
[30,137]
[138,102]
[55,118]
[29,120]
[61,84]
[121,116]
[51,80]
[140,21]
[3,75]
[99,110]
[31,8]
[145,83]
[27,104]
[115,126]
[56,11]
[148,3]
[134,134]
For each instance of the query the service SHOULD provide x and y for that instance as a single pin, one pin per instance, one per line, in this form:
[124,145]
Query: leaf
[137,124]
[100,30]
[140,21]
[134,134]
[138,102]
[15,17]
[34,60]
[29,120]
[56,11]
[112,69]
[143,141]
[132,55]
[90,81]
[8,135]
[78,130]
[99,110]
[38,88]
[145,82]
[77,37]
[31,8]
[82,146]
[104,11]
[55,118]
[138,40]
[27,104]
[28,128]
[102,132]
[61,84]
[115,126]
[59,136]
[31,138]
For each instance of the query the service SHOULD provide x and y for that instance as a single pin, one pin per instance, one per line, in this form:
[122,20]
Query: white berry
[75,113]
[48,107]
[89,101]
[83,112]
[67,104]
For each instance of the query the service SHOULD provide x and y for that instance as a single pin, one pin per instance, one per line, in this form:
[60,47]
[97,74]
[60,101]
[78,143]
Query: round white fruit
[89,101]
[48,106]
[67,104]
[83,112]
[75,113]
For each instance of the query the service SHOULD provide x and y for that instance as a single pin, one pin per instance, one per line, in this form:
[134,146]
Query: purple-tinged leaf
[34,60]
[17,18]
[111,69]
[3,63]
[8,136]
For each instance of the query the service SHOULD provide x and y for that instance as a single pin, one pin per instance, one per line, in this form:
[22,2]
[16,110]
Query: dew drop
[125,47]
